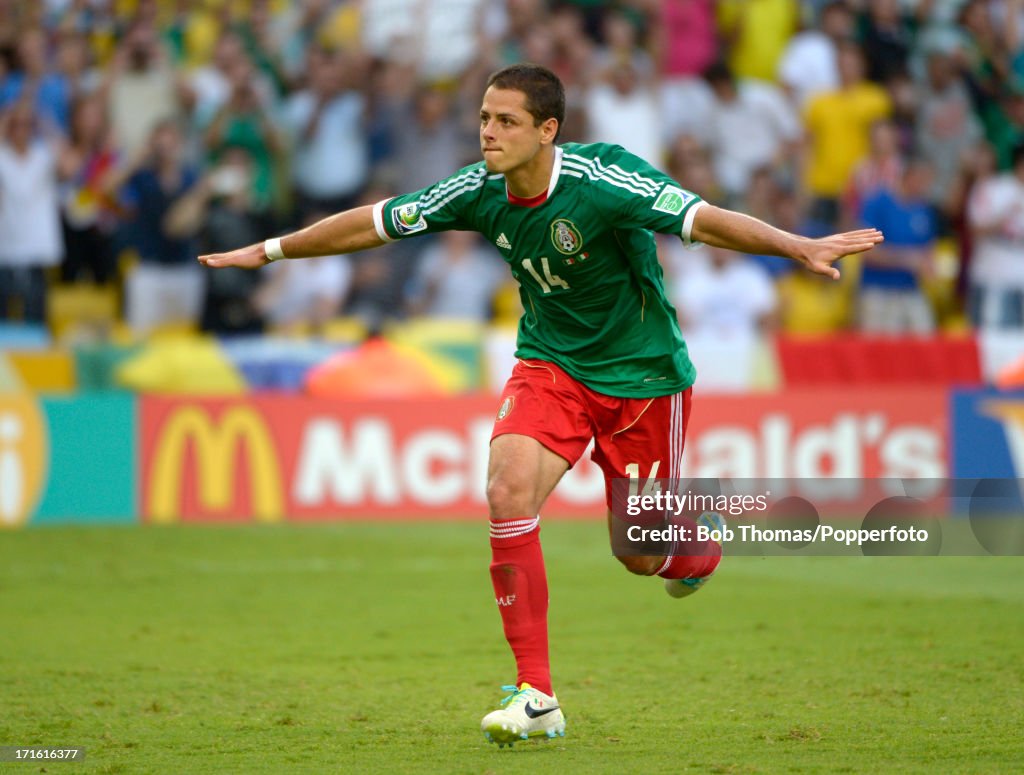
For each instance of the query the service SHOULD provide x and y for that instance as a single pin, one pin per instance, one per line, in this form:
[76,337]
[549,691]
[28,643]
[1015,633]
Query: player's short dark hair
[545,95]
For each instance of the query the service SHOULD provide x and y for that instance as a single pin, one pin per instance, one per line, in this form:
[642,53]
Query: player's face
[508,136]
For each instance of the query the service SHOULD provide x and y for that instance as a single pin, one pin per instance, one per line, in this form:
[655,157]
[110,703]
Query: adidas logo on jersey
[502,242]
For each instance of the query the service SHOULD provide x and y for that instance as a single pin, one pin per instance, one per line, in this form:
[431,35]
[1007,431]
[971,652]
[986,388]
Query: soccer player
[599,348]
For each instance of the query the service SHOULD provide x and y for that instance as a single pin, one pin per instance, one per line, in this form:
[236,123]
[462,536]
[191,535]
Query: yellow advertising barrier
[44,371]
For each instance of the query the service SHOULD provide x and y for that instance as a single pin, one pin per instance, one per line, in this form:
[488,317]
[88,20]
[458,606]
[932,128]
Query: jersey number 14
[548,280]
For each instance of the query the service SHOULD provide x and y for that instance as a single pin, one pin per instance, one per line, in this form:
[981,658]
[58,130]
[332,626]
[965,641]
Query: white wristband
[272,247]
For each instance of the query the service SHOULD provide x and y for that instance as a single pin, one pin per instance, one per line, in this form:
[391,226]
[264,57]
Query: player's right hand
[251,257]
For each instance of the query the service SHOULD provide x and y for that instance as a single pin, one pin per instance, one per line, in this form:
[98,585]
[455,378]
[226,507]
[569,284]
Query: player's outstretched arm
[345,232]
[736,231]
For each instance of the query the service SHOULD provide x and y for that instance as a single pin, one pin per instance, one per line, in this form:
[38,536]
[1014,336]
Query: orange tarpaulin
[375,369]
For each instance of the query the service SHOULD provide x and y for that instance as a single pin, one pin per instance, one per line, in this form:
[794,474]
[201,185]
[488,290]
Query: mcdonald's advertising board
[273,458]
[268,459]
[110,457]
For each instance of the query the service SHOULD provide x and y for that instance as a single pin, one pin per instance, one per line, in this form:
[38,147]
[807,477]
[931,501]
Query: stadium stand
[156,130]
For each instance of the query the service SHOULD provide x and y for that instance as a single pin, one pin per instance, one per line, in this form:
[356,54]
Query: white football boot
[525,713]
[686,587]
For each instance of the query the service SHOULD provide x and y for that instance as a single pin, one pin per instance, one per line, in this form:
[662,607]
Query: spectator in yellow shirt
[838,125]
[757,31]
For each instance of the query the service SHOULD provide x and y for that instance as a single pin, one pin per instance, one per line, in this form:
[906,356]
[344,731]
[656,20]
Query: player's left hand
[818,255]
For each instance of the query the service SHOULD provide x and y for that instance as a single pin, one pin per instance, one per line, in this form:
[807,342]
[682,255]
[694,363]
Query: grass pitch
[377,648]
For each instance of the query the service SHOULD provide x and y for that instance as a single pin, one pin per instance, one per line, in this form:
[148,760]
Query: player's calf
[692,563]
[641,565]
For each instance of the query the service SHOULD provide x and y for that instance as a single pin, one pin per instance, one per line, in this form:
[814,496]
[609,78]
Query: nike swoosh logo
[533,712]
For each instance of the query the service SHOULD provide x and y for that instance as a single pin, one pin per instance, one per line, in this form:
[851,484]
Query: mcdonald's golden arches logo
[217,454]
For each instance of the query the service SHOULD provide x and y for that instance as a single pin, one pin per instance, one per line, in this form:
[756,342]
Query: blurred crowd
[136,134]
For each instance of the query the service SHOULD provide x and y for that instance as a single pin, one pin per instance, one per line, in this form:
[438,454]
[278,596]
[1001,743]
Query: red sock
[691,559]
[521,591]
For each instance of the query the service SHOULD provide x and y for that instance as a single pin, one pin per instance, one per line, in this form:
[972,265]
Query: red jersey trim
[532,201]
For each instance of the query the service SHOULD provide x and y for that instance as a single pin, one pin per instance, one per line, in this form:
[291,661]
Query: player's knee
[508,499]
[641,565]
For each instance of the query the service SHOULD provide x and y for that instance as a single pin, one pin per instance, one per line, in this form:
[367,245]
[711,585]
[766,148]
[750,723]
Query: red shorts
[633,437]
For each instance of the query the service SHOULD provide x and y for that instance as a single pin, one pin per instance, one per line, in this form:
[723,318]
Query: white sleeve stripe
[452,195]
[609,176]
[442,188]
[602,178]
[438,189]
[634,178]
[688,222]
[595,162]
[378,220]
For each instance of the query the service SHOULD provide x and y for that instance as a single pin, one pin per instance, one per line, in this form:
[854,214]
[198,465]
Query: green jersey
[589,278]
